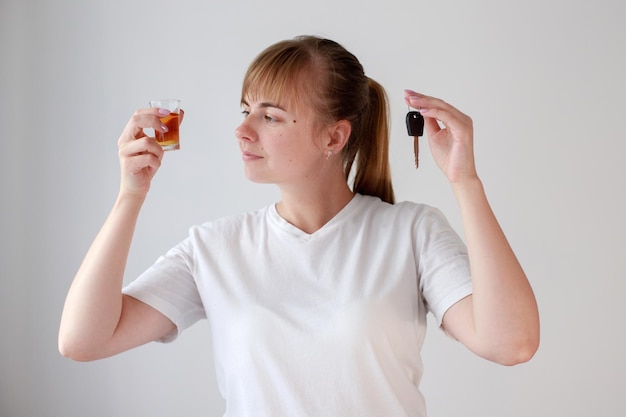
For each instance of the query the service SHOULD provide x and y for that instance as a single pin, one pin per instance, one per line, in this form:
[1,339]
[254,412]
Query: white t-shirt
[323,324]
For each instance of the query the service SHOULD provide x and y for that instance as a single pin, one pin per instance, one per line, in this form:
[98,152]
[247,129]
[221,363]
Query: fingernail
[164,111]
[165,129]
[412,93]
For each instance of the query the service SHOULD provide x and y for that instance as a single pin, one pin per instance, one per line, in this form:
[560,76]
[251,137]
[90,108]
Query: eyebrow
[265,105]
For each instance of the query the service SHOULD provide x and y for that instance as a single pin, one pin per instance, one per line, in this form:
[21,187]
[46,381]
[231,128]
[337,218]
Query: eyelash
[267,117]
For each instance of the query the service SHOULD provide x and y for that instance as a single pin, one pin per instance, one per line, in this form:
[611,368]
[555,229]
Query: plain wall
[543,81]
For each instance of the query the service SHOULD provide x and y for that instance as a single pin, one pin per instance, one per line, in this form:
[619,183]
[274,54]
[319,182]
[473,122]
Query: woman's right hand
[140,155]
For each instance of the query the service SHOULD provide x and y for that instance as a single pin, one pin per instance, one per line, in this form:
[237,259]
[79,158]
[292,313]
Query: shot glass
[169,140]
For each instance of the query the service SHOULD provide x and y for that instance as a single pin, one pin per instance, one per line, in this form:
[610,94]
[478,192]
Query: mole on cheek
[294,121]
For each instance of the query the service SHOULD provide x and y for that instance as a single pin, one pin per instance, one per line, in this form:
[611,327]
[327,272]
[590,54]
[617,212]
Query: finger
[431,126]
[142,146]
[425,103]
[138,163]
[148,118]
[434,108]
[426,106]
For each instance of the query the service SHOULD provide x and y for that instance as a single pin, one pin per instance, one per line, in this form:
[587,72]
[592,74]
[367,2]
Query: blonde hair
[327,77]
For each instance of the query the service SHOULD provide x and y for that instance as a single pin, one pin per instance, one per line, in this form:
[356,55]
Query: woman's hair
[324,75]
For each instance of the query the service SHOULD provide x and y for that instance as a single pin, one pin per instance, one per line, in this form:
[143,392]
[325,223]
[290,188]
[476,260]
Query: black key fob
[414,123]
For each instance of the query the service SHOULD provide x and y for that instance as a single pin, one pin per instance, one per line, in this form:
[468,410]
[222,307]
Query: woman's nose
[244,131]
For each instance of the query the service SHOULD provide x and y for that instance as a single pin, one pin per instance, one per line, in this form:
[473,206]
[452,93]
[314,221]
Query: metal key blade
[416,151]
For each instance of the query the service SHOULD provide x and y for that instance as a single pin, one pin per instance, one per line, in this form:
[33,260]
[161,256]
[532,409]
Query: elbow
[517,346]
[69,351]
[73,349]
[517,357]
[516,353]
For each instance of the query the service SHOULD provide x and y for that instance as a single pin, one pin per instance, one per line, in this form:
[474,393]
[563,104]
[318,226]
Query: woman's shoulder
[234,223]
[375,205]
[404,215]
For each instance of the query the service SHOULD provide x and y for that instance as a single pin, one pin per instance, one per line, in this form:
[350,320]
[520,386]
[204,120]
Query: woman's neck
[309,210]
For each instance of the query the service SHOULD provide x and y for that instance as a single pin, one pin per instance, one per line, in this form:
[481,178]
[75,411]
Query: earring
[329,153]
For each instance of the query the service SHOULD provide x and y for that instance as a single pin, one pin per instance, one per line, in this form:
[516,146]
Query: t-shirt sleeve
[169,287]
[444,273]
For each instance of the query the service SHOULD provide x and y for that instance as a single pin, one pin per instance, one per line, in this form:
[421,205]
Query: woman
[318,303]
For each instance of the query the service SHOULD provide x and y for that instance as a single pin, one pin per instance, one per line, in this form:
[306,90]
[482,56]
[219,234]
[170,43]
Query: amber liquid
[169,140]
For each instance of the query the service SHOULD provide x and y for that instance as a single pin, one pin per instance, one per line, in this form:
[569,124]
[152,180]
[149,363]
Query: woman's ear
[338,135]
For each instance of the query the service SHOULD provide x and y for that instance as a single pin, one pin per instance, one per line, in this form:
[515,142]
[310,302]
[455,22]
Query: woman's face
[280,142]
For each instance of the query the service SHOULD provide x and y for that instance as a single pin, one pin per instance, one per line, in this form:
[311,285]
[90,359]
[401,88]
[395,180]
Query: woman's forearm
[94,302]
[504,309]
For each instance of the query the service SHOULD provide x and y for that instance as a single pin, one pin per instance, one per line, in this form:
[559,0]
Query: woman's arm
[500,320]
[98,321]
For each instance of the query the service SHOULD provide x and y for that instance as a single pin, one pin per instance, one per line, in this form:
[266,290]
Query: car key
[415,128]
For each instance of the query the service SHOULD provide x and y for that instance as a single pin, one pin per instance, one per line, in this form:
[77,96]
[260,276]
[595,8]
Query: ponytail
[370,148]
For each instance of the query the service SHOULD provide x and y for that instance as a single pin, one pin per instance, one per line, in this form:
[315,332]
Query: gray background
[543,81]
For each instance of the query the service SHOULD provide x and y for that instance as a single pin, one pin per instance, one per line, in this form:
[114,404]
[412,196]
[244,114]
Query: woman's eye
[245,113]
[269,118]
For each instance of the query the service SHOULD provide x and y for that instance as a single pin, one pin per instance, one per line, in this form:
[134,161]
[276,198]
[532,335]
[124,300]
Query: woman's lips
[249,156]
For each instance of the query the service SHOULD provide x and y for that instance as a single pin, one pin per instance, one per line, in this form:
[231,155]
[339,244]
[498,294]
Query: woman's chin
[256,178]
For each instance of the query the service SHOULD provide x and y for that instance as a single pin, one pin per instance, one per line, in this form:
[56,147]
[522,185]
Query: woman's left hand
[451,144]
